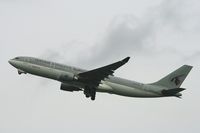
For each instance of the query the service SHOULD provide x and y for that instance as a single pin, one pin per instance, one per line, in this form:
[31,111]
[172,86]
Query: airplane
[102,79]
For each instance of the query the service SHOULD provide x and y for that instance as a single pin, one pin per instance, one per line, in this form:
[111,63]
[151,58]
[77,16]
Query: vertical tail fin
[176,78]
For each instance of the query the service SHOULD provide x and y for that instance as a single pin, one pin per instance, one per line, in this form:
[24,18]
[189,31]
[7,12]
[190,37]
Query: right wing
[94,77]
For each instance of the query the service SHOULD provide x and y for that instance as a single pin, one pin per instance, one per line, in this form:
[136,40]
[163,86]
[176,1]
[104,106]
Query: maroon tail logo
[177,80]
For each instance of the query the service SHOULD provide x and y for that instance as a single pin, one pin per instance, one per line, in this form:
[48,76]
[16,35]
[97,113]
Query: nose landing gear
[21,72]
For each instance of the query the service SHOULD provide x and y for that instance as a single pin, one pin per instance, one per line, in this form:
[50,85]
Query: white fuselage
[112,85]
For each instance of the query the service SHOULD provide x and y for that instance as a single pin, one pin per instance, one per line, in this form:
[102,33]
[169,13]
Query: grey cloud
[128,35]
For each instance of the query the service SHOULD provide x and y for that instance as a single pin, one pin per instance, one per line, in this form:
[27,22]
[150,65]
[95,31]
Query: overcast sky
[159,35]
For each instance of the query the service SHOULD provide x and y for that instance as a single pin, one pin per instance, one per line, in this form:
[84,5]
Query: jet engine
[67,87]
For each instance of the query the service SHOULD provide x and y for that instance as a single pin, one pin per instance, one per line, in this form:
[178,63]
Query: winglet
[126,60]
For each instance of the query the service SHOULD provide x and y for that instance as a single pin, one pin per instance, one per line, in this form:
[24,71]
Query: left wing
[93,77]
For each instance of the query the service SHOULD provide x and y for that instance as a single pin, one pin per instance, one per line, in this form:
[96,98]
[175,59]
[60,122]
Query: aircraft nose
[11,61]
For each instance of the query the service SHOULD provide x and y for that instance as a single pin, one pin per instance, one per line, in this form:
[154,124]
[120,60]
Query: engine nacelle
[67,87]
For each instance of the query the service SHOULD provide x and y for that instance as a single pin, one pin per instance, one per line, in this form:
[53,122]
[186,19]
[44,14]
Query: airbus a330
[102,79]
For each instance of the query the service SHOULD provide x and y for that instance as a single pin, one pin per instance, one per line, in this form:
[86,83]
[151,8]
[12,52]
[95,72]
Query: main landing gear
[90,92]
[20,72]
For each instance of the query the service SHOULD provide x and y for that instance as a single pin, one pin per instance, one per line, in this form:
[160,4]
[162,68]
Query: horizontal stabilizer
[172,92]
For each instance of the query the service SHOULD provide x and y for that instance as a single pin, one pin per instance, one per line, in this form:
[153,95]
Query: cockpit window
[17,58]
